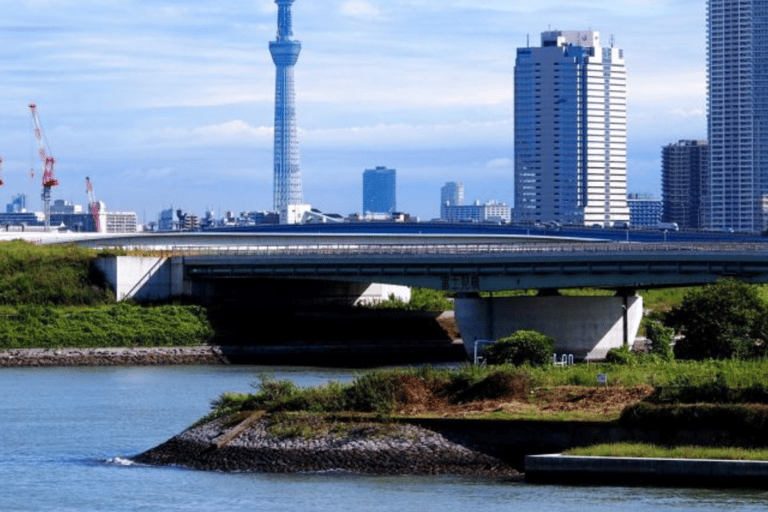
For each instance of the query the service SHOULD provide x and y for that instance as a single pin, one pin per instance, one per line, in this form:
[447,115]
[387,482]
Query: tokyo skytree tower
[285,53]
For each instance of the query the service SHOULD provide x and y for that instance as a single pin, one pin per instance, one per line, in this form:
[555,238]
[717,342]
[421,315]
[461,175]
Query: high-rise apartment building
[644,210]
[736,195]
[287,170]
[379,188]
[570,131]
[451,194]
[683,168]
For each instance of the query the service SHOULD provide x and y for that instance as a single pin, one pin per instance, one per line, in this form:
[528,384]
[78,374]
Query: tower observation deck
[285,53]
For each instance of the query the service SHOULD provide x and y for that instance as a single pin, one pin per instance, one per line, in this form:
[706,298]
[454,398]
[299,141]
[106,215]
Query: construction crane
[47,160]
[1,172]
[92,204]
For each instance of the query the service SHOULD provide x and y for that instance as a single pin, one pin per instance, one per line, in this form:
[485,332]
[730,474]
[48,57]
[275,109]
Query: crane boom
[48,179]
[42,149]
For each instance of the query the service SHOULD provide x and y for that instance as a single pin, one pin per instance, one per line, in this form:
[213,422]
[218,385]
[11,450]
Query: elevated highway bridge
[299,265]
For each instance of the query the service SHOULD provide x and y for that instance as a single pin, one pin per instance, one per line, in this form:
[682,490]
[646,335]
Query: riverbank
[569,469]
[356,446]
[146,356]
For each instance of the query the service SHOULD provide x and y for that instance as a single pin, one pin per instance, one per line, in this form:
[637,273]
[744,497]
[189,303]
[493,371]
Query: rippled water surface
[65,435]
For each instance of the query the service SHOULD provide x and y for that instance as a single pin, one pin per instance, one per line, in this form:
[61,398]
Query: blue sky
[170,103]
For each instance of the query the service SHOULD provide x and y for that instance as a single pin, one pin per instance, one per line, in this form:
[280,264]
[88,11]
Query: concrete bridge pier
[586,327]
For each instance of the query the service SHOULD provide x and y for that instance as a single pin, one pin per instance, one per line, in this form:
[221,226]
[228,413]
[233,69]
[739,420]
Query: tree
[721,321]
[521,347]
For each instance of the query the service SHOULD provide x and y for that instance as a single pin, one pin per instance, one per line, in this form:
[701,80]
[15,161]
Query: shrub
[621,355]
[660,337]
[722,321]
[521,347]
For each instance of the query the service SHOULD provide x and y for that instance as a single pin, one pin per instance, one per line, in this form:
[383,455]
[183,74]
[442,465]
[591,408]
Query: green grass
[731,373]
[49,275]
[382,391]
[660,452]
[111,325]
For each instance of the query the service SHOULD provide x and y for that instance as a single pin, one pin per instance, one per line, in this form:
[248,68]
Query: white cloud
[359,8]
[230,133]
[500,163]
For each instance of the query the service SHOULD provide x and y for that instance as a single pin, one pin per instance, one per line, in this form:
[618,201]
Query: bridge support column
[586,327]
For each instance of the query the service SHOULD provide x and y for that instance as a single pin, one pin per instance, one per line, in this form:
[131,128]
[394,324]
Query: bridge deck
[487,267]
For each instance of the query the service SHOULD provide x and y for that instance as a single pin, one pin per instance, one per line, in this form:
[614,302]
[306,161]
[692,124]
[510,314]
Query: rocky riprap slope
[111,356]
[362,448]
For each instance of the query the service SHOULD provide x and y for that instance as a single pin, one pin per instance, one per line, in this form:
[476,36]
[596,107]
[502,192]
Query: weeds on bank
[380,393]
[660,452]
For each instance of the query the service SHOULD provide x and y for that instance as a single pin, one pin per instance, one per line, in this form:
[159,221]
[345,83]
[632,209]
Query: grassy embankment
[565,394]
[645,450]
[51,297]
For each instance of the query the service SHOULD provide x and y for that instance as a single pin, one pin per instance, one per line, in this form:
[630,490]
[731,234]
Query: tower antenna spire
[287,170]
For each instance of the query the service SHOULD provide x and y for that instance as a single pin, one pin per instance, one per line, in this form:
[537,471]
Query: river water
[65,434]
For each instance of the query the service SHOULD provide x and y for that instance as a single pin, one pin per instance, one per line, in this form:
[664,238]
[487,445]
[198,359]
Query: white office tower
[736,186]
[571,131]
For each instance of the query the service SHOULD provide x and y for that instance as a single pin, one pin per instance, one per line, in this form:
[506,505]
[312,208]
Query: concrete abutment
[586,327]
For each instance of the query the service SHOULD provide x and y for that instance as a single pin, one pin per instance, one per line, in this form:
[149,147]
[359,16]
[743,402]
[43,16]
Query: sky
[171,103]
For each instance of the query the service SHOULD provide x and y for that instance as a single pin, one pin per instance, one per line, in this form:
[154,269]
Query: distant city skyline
[171,103]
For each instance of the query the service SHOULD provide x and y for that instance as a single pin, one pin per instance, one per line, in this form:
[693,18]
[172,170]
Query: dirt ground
[416,398]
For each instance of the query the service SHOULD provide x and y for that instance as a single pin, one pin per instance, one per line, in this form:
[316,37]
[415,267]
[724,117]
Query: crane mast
[47,161]
[1,172]
[92,204]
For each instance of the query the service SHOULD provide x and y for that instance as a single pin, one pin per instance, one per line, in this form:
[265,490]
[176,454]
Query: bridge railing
[449,249]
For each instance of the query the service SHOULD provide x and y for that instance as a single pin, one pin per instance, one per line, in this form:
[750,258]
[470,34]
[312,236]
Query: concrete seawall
[640,471]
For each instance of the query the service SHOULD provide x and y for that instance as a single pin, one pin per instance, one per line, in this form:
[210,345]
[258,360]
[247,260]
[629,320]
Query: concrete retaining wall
[139,278]
[637,471]
[586,327]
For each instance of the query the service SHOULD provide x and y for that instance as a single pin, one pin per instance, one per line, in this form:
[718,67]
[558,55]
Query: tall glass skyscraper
[285,53]
[570,131]
[737,70]
[379,190]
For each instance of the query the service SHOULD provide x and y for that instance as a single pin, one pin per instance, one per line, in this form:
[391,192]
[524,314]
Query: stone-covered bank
[362,447]
[146,356]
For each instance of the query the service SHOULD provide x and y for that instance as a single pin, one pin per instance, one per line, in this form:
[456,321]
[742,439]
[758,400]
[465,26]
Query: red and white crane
[47,160]
[92,204]
[1,172]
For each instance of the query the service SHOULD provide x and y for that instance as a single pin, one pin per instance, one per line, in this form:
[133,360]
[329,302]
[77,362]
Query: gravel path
[362,448]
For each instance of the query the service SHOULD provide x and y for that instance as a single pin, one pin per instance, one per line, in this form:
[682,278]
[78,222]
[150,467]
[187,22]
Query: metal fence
[447,249]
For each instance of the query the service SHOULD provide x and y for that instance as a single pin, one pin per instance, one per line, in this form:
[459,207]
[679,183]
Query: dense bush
[422,299]
[721,321]
[621,355]
[521,347]
[661,338]
[114,325]
[49,275]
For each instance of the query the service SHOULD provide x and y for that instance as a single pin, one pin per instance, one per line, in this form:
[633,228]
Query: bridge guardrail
[448,249]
